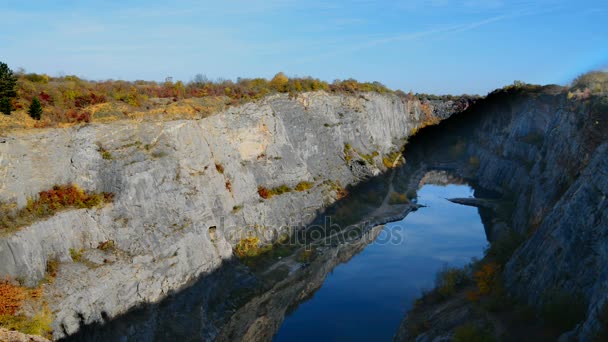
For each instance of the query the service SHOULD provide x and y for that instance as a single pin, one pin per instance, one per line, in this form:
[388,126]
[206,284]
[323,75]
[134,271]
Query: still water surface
[367,297]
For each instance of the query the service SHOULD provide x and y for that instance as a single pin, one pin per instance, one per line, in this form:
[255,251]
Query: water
[366,298]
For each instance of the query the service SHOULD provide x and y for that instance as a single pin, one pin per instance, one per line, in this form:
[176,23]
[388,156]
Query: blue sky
[435,46]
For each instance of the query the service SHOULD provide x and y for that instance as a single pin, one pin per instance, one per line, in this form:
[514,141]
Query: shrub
[450,279]
[35,110]
[391,160]
[12,298]
[106,245]
[487,278]
[219,168]
[76,254]
[248,247]
[303,186]
[48,203]
[472,333]
[398,198]
[264,193]
[268,193]
[563,311]
[595,81]
[76,116]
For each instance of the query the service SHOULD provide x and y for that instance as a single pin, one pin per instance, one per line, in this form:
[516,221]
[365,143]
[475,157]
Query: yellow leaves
[487,278]
[248,247]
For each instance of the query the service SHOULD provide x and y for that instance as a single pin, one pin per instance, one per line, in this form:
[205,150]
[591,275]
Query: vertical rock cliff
[186,191]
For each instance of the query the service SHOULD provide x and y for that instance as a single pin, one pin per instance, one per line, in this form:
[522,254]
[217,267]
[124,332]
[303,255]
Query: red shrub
[264,193]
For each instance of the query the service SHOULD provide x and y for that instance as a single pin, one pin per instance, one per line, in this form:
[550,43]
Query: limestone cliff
[186,191]
[546,155]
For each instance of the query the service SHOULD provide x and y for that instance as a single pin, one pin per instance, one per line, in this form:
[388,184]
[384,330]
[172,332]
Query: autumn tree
[279,82]
[35,110]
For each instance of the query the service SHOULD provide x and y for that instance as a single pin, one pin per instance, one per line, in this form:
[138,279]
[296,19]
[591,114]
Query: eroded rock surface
[187,191]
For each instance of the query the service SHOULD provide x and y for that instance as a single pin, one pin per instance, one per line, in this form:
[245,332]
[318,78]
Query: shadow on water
[237,302]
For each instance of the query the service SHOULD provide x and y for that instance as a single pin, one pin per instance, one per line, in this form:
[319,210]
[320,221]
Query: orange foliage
[264,193]
[487,278]
[66,196]
[11,297]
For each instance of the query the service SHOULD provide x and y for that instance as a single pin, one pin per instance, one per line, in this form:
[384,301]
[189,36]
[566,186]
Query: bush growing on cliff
[48,203]
[303,186]
[595,81]
[450,280]
[13,298]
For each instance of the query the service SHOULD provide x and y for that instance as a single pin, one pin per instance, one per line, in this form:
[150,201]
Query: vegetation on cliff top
[71,99]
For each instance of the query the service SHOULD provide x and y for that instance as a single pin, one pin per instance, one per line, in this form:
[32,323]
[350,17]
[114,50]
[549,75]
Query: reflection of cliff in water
[238,302]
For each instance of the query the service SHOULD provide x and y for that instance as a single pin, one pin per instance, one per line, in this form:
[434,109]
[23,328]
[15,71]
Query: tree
[7,82]
[7,88]
[5,106]
[279,82]
[35,110]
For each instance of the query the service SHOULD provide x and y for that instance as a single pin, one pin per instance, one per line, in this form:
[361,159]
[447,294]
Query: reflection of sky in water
[366,298]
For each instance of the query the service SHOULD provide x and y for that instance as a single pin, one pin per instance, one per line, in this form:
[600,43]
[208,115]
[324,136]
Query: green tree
[35,110]
[7,88]
[7,82]
[5,106]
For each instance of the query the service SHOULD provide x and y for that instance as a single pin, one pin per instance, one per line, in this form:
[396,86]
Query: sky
[431,46]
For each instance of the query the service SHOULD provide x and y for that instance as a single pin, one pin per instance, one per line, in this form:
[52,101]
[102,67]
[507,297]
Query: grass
[250,247]
[48,203]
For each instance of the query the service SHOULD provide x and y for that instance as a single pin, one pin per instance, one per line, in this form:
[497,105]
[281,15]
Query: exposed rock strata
[186,191]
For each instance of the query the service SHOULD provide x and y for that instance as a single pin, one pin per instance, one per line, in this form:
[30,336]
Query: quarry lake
[367,297]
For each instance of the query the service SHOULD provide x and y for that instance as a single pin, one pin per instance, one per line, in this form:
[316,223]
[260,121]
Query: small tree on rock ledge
[35,110]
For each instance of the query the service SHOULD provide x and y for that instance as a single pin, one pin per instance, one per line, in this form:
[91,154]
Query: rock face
[548,156]
[186,191]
